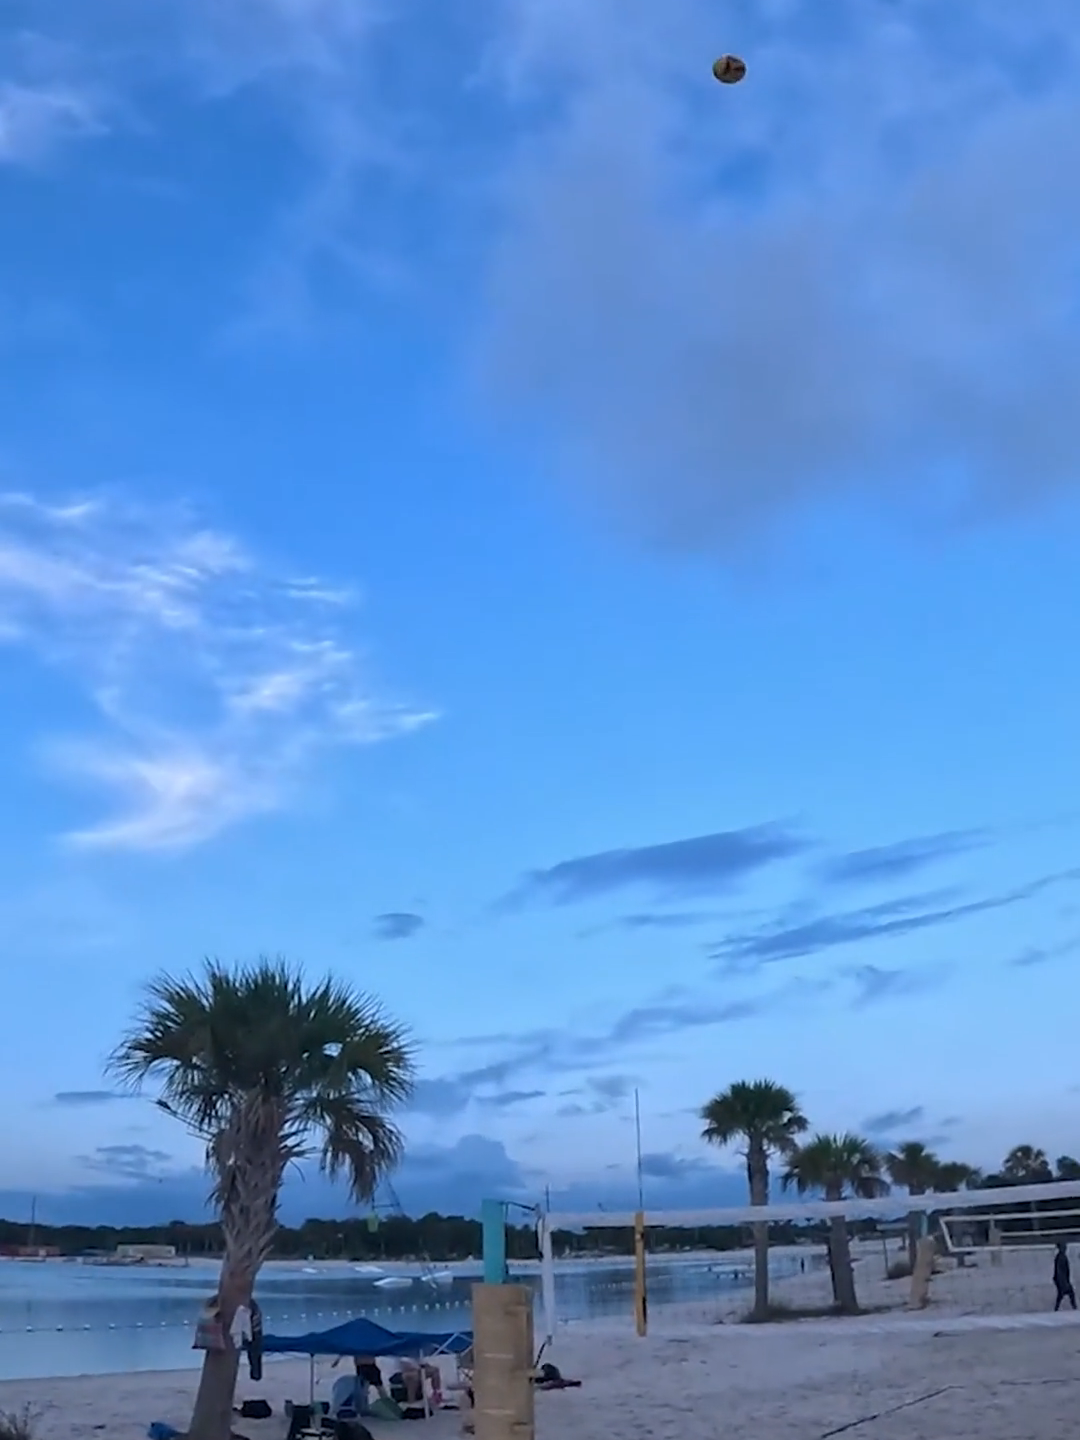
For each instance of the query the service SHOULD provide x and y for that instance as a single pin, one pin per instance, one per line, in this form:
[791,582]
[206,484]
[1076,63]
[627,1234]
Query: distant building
[135,1253]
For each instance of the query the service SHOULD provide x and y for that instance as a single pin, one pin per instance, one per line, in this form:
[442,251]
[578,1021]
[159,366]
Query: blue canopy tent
[364,1337]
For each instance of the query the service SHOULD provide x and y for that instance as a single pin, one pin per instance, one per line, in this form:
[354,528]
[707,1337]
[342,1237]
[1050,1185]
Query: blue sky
[586,553]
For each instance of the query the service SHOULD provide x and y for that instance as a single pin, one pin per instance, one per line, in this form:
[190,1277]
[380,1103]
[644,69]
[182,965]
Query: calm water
[67,1319]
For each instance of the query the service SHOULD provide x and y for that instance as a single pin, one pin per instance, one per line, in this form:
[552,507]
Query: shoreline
[1008,1292]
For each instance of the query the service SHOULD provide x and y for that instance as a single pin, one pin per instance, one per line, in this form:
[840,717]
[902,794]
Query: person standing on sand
[1063,1277]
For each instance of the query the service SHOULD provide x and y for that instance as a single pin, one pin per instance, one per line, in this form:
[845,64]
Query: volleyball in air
[729,69]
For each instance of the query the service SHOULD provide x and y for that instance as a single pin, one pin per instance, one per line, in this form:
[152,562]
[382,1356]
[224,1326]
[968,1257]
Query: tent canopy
[364,1337]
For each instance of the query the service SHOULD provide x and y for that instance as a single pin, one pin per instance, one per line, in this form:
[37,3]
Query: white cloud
[854,275]
[215,682]
[49,95]
[36,120]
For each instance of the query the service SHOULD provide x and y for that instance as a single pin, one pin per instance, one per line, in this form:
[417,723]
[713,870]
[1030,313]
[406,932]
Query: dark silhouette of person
[1063,1277]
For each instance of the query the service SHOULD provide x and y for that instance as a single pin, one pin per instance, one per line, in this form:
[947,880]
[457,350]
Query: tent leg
[311,1379]
[423,1389]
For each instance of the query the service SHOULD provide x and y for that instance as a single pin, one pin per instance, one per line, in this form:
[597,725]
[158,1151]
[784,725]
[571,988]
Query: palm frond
[765,1114]
[254,1056]
[836,1164]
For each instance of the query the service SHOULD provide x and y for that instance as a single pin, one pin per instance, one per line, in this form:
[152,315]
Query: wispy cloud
[785,940]
[48,95]
[78,1098]
[509,1099]
[1044,954]
[667,1165]
[215,681]
[660,920]
[874,984]
[703,863]
[35,121]
[880,864]
[397,925]
[889,1122]
[579,1049]
[599,1095]
[131,1162]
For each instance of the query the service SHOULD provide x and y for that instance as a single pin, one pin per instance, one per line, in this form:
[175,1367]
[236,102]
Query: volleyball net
[978,1253]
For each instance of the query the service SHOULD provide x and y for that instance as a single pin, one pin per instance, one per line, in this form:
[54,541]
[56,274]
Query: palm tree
[1027,1165]
[835,1164]
[767,1117]
[916,1168]
[953,1175]
[266,1070]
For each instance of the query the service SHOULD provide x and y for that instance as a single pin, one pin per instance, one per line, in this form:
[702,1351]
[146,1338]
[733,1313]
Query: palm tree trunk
[758,1175]
[211,1418]
[250,1171]
[843,1276]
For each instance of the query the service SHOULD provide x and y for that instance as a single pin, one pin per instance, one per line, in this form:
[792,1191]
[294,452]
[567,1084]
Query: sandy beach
[986,1359]
[809,1380]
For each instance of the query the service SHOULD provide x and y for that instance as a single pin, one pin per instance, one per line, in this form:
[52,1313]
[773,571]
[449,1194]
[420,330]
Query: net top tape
[889,1207]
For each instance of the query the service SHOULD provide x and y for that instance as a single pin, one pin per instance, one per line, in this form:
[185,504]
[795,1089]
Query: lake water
[62,1318]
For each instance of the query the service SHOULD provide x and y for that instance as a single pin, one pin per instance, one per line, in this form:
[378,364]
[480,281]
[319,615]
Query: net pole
[641,1302]
[547,1277]
[641,1299]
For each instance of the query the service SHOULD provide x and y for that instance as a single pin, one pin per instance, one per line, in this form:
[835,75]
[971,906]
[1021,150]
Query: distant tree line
[456,1237]
[396,1237]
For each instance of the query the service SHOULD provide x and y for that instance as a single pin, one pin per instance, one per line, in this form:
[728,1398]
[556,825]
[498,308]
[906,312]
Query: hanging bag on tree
[209,1329]
[255,1344]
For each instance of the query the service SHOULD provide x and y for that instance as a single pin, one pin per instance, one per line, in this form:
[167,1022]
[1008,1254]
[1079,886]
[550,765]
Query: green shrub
[17,1425]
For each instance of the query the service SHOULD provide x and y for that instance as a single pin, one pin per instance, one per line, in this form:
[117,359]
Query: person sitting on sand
[413,1373]
[1063,1277]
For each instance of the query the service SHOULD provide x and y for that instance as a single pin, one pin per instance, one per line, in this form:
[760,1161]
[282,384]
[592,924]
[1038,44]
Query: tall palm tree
[766,1116]
[266,1070]
[917,1169]
[835,1164]
[1026,1164]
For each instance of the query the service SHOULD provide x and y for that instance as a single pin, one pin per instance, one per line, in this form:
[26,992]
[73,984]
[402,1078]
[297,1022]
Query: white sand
[954,1370]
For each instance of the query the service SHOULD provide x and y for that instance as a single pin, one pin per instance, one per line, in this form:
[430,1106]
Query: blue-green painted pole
[493,1221]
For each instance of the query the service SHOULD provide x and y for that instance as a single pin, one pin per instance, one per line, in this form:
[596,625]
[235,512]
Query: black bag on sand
[351,1430]
[302,1418]
[256,1410]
